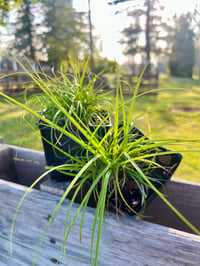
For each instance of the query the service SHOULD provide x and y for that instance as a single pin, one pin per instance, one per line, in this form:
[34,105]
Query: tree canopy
[27,39]
[47,27]
[182,57]
[146,24]
[66,33]
[5,7]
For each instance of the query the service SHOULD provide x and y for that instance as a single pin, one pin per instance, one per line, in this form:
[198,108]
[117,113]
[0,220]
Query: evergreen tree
[150,12]
[66,33]
[5,7]
[27,40]
[182,58]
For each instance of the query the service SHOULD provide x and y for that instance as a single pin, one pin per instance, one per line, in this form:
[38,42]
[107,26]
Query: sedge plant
[122,156]
[78,93]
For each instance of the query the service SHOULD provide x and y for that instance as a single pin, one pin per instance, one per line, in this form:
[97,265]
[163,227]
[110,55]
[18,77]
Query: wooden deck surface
[124,242]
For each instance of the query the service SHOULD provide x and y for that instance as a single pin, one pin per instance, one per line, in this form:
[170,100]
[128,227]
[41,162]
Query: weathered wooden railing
[23,166]
[15,83]
[124,242]
[149,83]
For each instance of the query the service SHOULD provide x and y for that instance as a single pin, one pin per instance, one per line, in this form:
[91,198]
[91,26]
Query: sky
[108,25]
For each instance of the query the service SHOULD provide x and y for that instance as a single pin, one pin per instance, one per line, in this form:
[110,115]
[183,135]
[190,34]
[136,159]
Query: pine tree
[5,7]
[26,40]
[66,33]
[149,12]
[182,58]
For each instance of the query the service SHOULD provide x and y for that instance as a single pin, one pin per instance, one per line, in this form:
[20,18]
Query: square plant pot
[54,157]
[161,174]
[166,165]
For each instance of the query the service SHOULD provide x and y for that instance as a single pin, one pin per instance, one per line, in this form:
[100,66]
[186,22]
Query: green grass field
[177,104]
[14,129]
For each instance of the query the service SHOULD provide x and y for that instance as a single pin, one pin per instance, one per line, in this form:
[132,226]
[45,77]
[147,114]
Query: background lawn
[14,129]
[177,105]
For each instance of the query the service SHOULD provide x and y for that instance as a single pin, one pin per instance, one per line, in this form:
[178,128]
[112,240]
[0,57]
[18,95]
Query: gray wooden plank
[123,242]
[185,197]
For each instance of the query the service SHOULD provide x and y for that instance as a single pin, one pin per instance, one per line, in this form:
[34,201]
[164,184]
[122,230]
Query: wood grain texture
[185,197]
[24,166]
[123,242]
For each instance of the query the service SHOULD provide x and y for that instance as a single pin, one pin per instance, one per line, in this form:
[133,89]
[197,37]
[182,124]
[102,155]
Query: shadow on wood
[24,166]
[183,195]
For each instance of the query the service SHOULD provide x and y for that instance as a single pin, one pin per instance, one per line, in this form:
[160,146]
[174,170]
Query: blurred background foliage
[50,33]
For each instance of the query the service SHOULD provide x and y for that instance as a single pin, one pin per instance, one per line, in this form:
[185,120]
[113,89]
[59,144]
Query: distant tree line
[182,56]
[51,29]
[55,29]
[179,39]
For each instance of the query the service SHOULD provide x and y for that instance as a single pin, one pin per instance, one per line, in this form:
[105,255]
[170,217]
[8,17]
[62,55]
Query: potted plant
[77,95]
[122,162]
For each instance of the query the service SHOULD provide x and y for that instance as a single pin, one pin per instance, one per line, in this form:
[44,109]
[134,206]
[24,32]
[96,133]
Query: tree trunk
[30,37]
[91,38]
[147,35]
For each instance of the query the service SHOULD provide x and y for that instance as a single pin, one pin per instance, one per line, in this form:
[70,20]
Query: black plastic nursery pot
[54,157]
[161,174]
[166,165]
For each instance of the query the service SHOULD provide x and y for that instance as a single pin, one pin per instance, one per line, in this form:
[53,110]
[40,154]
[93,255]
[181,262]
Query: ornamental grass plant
[122,160]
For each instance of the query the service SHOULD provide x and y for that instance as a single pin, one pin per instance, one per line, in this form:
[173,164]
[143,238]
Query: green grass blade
[22,199]
[73,182]
[193,228]
[91,189]
[135,95]
[101,203]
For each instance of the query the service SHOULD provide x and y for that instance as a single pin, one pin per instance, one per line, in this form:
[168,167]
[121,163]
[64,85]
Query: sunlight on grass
[18,114]
[167,107]
[14,129]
